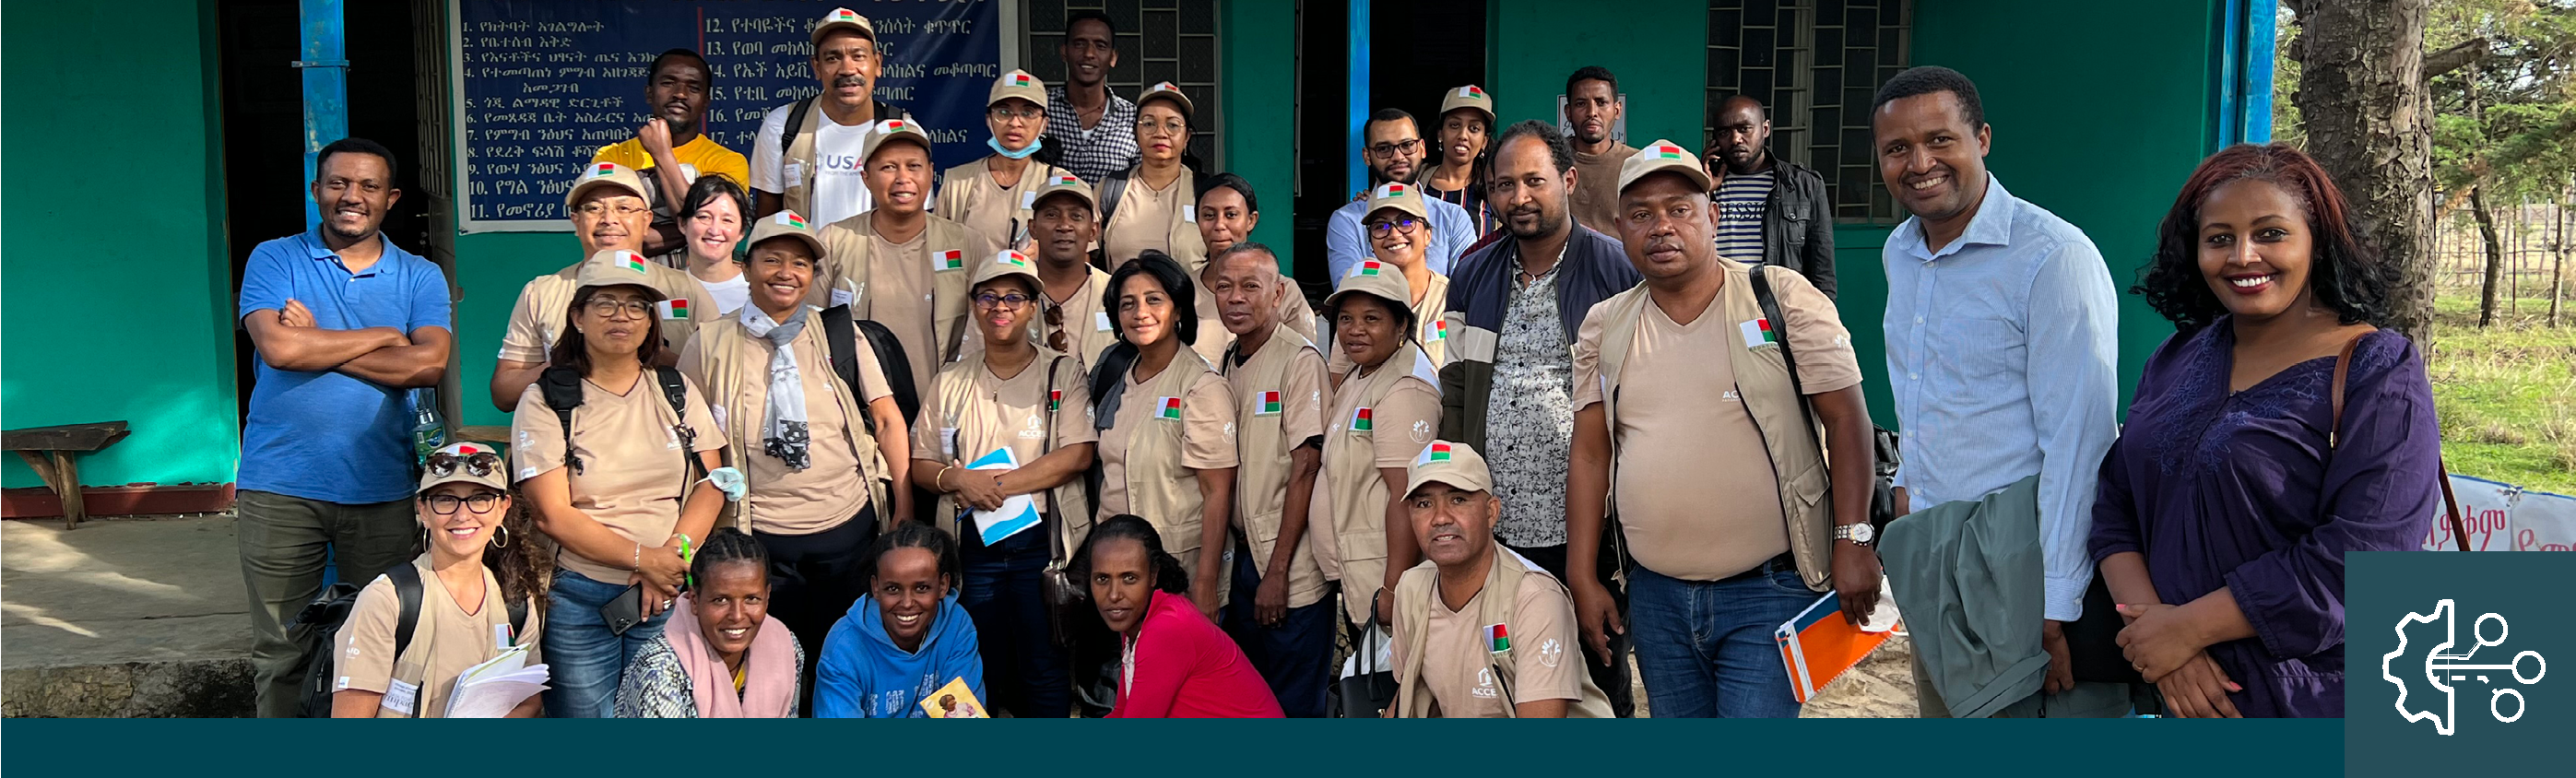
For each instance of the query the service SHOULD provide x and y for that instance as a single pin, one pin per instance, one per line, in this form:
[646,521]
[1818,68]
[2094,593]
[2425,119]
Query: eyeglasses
[1384,227]
[609,307]
[1003,113]
[1055,329]
[481,463]
[446,504]
[596,209]
[1148,127]
[1012,301]
[1390,150]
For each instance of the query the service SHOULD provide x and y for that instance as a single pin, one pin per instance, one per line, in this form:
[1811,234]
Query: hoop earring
[501,538]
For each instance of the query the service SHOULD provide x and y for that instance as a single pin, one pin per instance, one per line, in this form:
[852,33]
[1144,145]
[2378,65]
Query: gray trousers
[2086,700]
[284,543]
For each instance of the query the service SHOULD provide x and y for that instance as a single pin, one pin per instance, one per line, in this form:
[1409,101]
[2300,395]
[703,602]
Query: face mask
[1034,145]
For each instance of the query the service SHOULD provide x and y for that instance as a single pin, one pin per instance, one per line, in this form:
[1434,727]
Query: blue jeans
[1296,657]
[1024,672]
[1705,647]
[585,661]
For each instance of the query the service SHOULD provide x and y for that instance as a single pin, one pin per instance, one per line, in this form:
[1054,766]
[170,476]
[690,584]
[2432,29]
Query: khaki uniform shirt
[537,319]
[1378,420]
[445,642]
[1167,427]
[997,215]
[1165,220]
[1457,661]
[833,485]
[1278,398]
[974,412]
[634,473]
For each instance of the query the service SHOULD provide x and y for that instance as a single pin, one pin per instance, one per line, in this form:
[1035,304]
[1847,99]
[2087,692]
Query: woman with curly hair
[480,594]
[1175,663]
[2279,428]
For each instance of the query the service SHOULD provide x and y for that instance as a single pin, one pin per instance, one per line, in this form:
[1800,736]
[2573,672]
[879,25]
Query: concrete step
[123,617]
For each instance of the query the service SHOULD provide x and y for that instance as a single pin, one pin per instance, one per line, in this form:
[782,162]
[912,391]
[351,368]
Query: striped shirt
[1093,154]
[1740,204]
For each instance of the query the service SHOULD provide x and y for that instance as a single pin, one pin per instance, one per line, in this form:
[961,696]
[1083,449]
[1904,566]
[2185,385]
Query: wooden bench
[53,453]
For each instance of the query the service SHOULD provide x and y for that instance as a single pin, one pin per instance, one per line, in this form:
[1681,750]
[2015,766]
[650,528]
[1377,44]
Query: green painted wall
[1260,69]
[490,268]
[105,327]
[1656,48]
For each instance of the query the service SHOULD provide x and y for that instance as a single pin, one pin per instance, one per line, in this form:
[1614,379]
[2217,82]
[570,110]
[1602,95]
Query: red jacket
[1185,667]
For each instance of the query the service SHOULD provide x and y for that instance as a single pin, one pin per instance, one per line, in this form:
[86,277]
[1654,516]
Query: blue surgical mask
[1034,145]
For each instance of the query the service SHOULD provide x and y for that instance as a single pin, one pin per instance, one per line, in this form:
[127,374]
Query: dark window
[1158,40]
[1814,64]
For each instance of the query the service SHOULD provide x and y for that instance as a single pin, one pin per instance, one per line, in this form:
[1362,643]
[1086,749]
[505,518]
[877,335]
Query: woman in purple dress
[2229,501]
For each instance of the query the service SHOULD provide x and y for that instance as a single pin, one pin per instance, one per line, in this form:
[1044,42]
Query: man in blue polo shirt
[344,322]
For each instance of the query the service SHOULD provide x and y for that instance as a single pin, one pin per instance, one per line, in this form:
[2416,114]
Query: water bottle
[427,434]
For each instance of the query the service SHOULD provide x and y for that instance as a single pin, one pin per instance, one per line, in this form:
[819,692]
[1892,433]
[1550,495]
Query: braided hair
[1169,575]
[914,534]
[727,545]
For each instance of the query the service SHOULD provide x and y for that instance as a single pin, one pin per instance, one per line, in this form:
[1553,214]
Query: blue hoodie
[863,674]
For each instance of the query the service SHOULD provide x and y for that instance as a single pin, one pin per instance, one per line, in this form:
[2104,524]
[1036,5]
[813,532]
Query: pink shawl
[769,673]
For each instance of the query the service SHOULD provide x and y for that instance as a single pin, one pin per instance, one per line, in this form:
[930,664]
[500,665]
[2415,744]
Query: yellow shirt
[709,157]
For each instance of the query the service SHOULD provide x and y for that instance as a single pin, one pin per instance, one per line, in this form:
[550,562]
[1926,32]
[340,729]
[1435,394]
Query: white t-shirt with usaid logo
[840,191]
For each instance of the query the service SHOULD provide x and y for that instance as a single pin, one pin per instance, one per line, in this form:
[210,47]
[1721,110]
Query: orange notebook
[1819,645]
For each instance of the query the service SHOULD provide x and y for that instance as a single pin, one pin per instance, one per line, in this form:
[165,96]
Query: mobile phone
[625,611]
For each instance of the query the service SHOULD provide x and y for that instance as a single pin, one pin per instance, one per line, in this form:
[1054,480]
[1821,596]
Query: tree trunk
[2369,120]
[2494,255]
[2558,265]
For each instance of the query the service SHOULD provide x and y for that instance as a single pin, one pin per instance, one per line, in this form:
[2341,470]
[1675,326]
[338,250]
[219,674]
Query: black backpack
[326,614]
[839,329]
[796,119]
[562,389]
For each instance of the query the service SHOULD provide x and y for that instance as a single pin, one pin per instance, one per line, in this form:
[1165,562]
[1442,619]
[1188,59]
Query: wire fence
[2538,240]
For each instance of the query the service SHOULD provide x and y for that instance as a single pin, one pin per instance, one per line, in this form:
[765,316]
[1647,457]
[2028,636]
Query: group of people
[1054,428]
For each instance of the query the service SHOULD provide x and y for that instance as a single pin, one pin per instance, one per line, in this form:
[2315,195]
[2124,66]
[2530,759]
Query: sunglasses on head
[480,463]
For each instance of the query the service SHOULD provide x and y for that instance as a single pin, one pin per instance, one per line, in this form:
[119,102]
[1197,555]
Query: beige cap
[841,18]
[785,224]
[1382,280]
[1397,195]
[1171,91]
[617,267]
[1455,464]
[1663,156]
[1020,84]
[1469,96]
[1006,263]
[889,131]
[467,461]
[601,174]
[1065,183]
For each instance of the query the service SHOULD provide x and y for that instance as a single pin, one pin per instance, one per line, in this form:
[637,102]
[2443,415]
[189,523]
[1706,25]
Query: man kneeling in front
[1479,631]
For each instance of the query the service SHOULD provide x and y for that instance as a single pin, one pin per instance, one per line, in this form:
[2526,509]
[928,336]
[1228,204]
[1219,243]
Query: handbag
[1065,601]
[1369,690]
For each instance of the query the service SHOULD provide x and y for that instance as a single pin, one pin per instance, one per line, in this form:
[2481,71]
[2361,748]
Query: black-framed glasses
[1013,301]
[1388,150]
[480,463]
[446,504]
[1384,227]
[1004,113]
[609,307]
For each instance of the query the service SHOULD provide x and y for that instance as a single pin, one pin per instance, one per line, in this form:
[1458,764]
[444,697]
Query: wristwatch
[1861,534]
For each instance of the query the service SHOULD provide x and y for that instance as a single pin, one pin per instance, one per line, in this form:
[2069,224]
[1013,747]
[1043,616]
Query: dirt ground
[1881,686]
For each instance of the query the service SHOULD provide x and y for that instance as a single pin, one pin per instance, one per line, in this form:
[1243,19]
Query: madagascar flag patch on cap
[1022,80]
[844,15]
[790,220]
[1666,151]
[951,259]
[466,449]
[628,260]
[1369,268]
[1165,86]
[1167,408]
[1437,452]
[603,169]
[1065,179]
[892,126]
[1470,91]
[674,308]
[1269,405]
[1389,190]
[1014,259]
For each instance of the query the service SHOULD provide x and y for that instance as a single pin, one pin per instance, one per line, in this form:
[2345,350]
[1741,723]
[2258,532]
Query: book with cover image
[954,701]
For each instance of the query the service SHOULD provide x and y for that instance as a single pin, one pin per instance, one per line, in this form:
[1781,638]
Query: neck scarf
[1034,144]
[769,668]
[782,426]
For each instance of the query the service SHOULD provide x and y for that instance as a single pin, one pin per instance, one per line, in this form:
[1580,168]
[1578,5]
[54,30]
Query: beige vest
[722,347]
[799,156]
[958,183]
[1762,378]
[1261,478]
[551,297]
[1494,605]
[1159,489]
[1183,241]
[956,389]
[1351,498]
[850,241]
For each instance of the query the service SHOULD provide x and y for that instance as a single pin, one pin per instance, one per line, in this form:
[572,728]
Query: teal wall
[2098,121]
[99,325]
[1259,68]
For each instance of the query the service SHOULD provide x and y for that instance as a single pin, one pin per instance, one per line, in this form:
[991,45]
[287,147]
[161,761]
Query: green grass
[2506,394]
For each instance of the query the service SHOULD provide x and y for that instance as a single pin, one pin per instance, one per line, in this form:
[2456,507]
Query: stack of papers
[492,689]
[1017,513]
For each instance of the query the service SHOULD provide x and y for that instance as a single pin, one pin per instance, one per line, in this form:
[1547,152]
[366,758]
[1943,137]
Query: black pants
[813,580]
[1005,592]
[1613,678]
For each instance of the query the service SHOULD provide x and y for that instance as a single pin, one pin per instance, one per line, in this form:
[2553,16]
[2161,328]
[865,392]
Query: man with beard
[672,149]
[1507,390]
[1770,211]
[1092,129]
[1394,152]
[344,322]
[1592,110]
[806,157]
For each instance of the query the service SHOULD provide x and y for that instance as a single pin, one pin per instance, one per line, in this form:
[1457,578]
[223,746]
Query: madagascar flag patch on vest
[1758,332]
[1361,421]
[1498,638]
[1167,408]
[1269,405]
[674,308]
[951,259]
[1439,330]
[1055,399]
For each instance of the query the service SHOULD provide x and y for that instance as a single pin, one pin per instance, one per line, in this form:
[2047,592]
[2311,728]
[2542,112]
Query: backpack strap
[1780,324]
[2334,438]
[561,387]
[1111,191]
[407,590]
[897,366]
[840,336]
[795,124]
[677,392]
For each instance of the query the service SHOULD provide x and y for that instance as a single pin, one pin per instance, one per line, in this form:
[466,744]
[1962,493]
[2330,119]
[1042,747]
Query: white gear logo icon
[2441,669]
